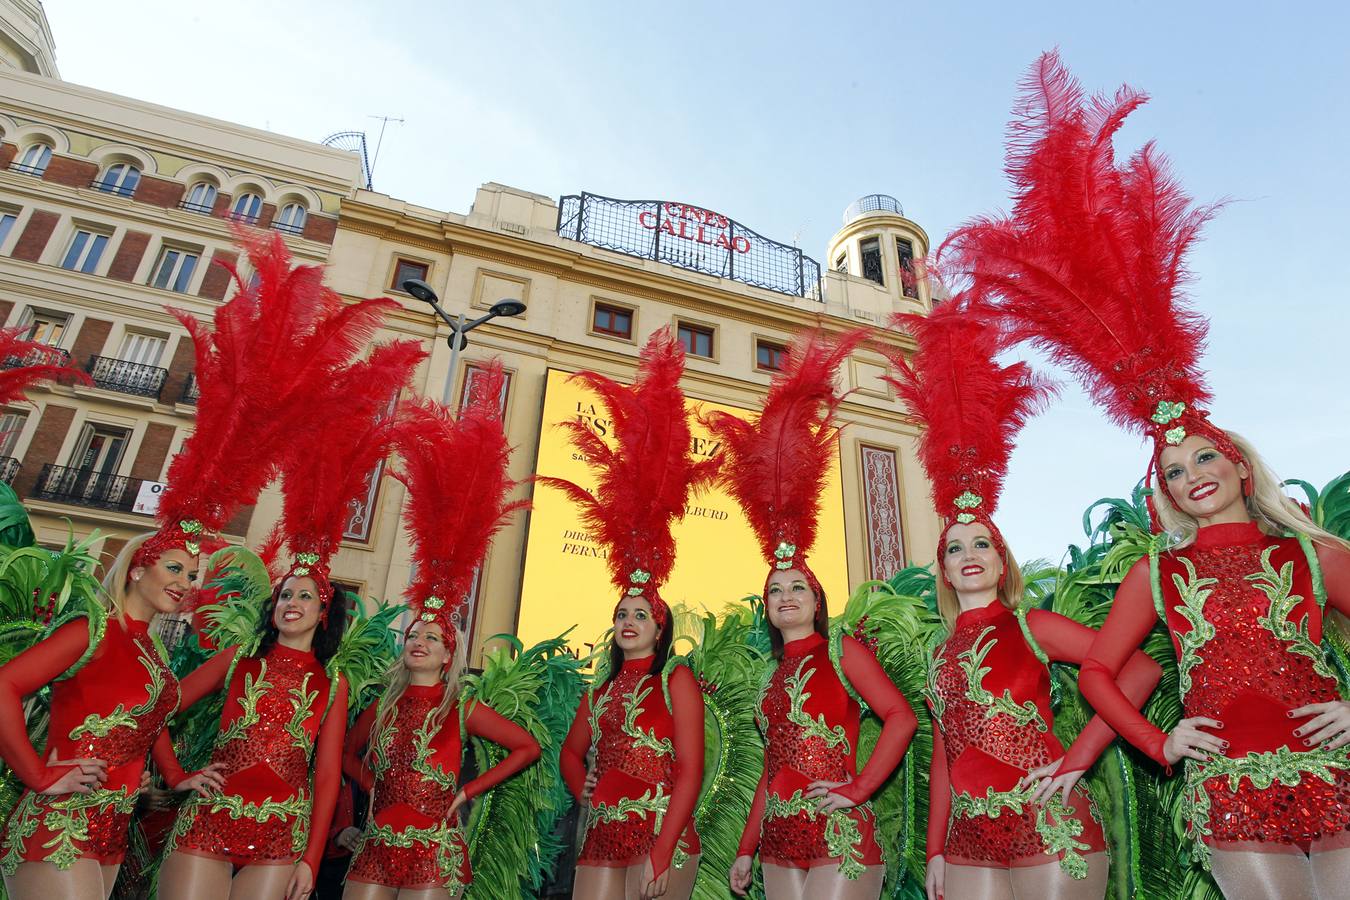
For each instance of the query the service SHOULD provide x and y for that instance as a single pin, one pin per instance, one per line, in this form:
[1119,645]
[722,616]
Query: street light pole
[458,327]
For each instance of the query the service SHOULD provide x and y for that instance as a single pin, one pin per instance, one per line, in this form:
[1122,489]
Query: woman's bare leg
[598,883]
[1252,875]
[110,879]
[262,882]
[977,883]
[428,894]
[1050,882]
[184,876]
[1331,872]
[360,890]
[828,883]
[679,885]
[784,882]
[44,881]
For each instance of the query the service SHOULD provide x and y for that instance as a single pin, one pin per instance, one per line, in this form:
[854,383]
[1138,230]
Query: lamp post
[458,327]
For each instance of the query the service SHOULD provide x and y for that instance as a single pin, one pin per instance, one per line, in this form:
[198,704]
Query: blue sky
[781,114]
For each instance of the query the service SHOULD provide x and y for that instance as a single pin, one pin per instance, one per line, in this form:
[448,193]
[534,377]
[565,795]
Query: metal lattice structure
[690,237]
[353,142]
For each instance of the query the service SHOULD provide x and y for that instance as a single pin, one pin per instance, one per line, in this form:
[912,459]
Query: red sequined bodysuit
[270,811]
[411,841]
[648,768]
[112,708]
[1245,616]
[989,692]
[810,723]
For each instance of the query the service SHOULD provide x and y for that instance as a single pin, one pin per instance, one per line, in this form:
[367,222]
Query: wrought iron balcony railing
[35,171]
[127,377]
[872,203]
[86,487]
[109,187]
[288,228]
[202,208]
[9,467]
[191,390]
[46,356]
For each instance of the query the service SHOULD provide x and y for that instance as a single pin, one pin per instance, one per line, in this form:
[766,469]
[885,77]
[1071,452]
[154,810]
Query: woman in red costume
[1089,266]
[68,834]
[1008,815]
[644,723]
[412,847]
[811,822]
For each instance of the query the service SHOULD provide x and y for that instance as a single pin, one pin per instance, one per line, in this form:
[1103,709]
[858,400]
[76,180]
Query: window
[34,160]
[904,250]
[841,264]
[173,271]
[86,249]
[11,426]
[292,219]
[871,260]
[44,327]
[247,208]
[697,341]
[201,198]
[612,320]
[769,356]
[100,449]
[7,220]
[406,269]
[120,179]
[142,349]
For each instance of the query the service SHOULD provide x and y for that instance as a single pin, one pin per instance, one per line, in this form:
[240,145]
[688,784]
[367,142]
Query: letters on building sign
[691,223]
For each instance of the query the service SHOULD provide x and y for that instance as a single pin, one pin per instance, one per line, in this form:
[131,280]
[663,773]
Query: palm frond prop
[368,648]
[242,586]
[15,530]
[511,830]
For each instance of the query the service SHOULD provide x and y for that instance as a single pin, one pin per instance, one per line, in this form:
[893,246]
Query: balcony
[199,208]
[35,171]
[127,377]
[112,187]
[288,228]
[884,203]
[46,356]
[85,487]
[191,390]
[9,467]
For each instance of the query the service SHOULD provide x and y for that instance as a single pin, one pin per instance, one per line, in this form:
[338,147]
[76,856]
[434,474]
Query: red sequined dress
[410,840]
[110,704]
[1245,613]
[648,768]
[810,722]
[989,693]
[278,709]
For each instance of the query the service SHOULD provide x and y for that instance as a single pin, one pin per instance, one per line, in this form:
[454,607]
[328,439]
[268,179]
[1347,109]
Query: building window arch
[247,207]
[34,159]
[291,219]
[201,197]
[120,178]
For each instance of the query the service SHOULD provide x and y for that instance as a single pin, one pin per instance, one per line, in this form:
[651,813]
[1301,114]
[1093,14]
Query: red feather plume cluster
[1091,263]
[455,470]
[272,351]
[971,406]
[26,363]
[644,481]
[776,466]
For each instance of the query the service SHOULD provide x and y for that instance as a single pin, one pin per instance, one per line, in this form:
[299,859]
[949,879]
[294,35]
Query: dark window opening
[697,341]
[612,320]
[871,261]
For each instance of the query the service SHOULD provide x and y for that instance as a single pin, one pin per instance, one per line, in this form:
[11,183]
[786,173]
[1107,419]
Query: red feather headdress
[777,465]
[25,363]
[455,472]
[971,408]
[275,347]
[644,482]
[352,433]
[1091,263]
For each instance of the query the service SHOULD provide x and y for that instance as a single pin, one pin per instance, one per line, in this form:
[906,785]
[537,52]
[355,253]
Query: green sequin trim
[1021,615]
[970,662]
[421,763]
[632,708]
[1277,586]
[1055,822]
[931,691]
[651,802]
[795,685]
[1194,591]
[302,703]
[67,820]
[843,837]
[254,688]
[441,838]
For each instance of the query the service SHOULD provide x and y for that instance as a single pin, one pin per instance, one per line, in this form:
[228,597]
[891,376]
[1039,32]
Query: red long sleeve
[1335,562]
[354,749]
[572,757]
[1131,618]
[687,709]
[754,826]
[206,679]
[24,675]
[327,776]
[486,723]
[939,796]
[1067,641]
[898,722]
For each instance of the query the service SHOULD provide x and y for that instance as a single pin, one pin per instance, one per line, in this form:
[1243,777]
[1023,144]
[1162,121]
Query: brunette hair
[326,637]
[822,617]
[660,654]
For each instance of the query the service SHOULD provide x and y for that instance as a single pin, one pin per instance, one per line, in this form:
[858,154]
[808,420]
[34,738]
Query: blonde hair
[118,575]
[1009,592]
[397,680]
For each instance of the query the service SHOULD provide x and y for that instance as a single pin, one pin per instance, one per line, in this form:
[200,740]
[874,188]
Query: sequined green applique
[1278,587]
[651,802]
[302,702]
[382,741]
[932,692]
[598,707]
[795,685]
[254,688]
[970,661]
[68,822]
[843,838]
[121,717]
[237,807]
[422,751]
[23,824]
[1058,827]
[632,708]
[1194,591]
[441,838]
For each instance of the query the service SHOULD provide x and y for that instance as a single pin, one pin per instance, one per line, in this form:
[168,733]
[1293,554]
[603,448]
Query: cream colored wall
[26,38]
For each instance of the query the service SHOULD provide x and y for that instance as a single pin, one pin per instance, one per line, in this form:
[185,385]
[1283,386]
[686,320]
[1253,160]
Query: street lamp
[458,327]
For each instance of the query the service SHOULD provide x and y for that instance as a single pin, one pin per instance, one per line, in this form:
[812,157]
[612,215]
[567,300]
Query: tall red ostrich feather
[26,363]
[642,484]
[455,470]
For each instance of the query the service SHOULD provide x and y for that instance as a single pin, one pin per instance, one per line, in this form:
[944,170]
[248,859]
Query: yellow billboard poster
[566,582]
